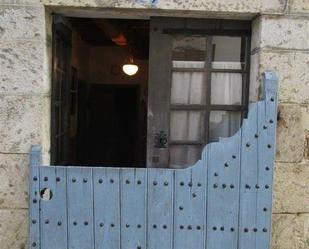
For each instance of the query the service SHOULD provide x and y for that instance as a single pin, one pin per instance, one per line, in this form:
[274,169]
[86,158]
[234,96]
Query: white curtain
[226,89]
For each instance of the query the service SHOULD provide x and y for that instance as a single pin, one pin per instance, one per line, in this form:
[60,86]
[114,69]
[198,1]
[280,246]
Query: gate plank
[106,208]
[268,118]
[249,184]
[53,211]
[262,208]
[80,208]
[34,197]
[160,208]
[190,207]
[133,208]
[223,193]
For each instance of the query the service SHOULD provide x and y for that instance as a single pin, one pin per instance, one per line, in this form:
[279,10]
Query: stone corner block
[22,22]
[13,229]
[299,6]
[292,68]
[285,32]
[291,188]
[14,170]
[290,231]
[290,134]
[24,120]
[24,68]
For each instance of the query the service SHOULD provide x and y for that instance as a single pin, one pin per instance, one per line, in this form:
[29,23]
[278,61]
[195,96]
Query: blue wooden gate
[224,201]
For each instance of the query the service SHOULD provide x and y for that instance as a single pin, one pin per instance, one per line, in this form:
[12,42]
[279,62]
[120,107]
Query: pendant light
[130,68]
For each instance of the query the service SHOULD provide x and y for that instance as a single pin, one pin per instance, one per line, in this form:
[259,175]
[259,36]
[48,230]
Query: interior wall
[105,67]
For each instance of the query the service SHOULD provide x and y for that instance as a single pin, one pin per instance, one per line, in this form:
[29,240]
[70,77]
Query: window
[191,89]
[206,86]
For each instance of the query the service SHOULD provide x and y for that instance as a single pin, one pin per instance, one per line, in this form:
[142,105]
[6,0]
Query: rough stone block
[290,231]
[299,6]
[272,6]
[236,6]
[290,134]
[14,180]
[256,27]
[24,68]
[291,189]
[13,229]
[21,2]
[285,32]
[23,120]
[305,114]
[292,69]
[254,78]
[22,22]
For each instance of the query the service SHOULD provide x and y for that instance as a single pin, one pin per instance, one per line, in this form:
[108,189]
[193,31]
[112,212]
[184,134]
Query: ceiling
[129,33]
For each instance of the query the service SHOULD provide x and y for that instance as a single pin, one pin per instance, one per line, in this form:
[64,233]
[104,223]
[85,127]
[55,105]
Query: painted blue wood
[160,208]
[266,154]
[107,208]
[190,207]
[223,193]
[223,201]
[80,208]
[34,197]
[133,208]
[53,218]
[248,185]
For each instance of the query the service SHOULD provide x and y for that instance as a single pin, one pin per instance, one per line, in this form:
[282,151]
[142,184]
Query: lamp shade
[130,69]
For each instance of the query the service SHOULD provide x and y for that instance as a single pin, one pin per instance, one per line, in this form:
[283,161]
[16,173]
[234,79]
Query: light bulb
[130,69]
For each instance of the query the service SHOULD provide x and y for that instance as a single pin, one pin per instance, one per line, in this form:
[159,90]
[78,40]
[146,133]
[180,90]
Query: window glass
[188,87]
[186,125]
[226,88]
[188,48]
[184,155]
[226,48]
[223,124]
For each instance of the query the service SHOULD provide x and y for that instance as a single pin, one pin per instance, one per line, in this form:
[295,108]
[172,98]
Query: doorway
[99,113]
[113,112]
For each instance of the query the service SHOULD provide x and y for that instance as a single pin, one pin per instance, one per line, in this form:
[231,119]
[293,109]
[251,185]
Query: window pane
[188,48]
[188,87]
[186,125]
[182,156]
[226,88]
[223,124]
[226,48]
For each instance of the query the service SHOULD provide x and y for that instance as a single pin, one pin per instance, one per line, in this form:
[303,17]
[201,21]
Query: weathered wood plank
[267,114]
[160,208]
[53,207]
[133,208]
[248,185]
[80,208]
[223,193]
[34,197]
[190,207]
[107,208]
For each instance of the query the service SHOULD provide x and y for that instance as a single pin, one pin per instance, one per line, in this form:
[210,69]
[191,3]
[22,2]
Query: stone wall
[280,42]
